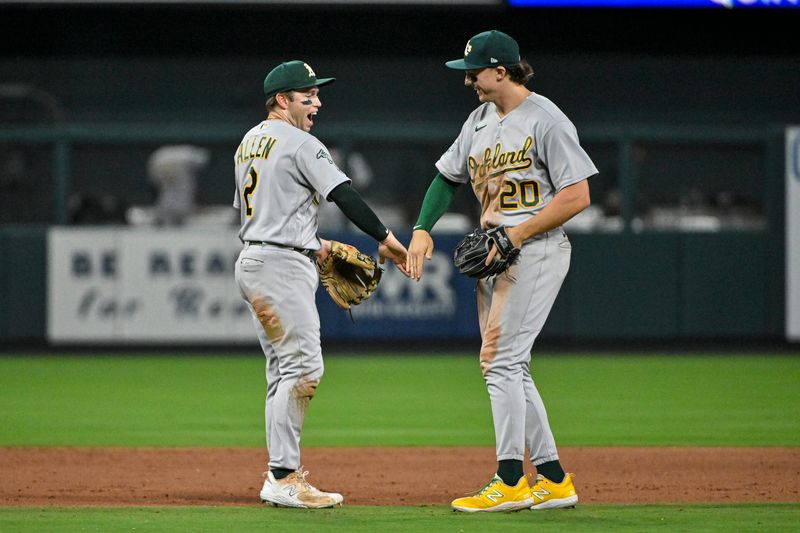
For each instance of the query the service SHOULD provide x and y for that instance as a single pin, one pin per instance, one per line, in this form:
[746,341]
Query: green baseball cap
[488,49]
[292,75]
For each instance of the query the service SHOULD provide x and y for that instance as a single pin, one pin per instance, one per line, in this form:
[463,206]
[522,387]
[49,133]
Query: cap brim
[319,83]
[459,64]
[324,81]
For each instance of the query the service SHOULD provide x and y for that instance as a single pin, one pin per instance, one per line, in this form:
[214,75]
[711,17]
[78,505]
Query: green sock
[280,473]
[510,470]
[551,470]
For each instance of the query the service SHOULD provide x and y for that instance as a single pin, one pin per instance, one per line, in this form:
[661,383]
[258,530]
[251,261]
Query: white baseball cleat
[295,491]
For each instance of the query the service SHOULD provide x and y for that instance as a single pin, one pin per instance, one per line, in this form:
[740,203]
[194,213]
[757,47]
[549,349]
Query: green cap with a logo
[292,75]
[488,49]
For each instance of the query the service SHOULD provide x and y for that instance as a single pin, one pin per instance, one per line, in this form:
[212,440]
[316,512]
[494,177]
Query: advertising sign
[146,286]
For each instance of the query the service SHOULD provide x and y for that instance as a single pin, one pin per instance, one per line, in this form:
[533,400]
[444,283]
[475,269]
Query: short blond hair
[271,103]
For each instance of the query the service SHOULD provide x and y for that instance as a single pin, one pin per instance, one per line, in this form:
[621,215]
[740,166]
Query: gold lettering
[473,165]
[260,146]
[524,150]
[497,162]
[255,147]
[268,148]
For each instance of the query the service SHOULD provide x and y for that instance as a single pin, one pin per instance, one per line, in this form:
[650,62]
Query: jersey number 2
[523,194]
[249,189]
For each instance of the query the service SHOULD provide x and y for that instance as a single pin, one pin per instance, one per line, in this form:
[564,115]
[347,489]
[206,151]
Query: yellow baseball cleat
[497,496]
[549,495]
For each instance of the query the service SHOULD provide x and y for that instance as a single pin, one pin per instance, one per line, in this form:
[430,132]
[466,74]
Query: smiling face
[300,106]
[484,81]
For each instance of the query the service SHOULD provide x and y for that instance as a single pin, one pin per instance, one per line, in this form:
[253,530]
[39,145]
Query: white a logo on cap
[310,72]
[468,49]
[492,60]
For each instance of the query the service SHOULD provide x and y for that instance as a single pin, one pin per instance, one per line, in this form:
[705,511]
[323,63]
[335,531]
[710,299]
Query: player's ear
[283,100]
[500,73]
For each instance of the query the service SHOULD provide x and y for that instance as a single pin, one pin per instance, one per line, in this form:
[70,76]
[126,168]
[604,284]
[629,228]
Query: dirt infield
[387,476]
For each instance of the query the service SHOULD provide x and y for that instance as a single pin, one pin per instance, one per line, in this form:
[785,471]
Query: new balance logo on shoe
[295,491]
[494,495]
[548,495]
[541,493]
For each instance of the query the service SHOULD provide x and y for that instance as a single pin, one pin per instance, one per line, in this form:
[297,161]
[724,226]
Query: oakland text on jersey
[497,162]
[253,147]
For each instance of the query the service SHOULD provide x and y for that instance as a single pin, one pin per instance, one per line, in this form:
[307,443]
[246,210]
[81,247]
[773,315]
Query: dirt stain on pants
[268,318]
[303,391]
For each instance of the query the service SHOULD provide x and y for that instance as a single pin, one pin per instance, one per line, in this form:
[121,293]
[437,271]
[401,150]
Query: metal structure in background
[62,139]
[26,92]
[24,98]
[660,284]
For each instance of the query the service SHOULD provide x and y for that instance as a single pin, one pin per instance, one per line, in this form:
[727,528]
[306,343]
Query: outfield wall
[121,285]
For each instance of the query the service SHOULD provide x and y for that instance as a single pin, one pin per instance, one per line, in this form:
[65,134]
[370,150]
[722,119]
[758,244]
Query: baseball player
[521,155]
[282,174]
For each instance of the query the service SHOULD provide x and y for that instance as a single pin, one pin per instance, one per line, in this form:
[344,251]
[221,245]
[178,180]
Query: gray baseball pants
[512,309]
[278,285]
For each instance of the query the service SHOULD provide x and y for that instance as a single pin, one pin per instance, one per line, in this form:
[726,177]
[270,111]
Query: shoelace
[484,489]
[301,479]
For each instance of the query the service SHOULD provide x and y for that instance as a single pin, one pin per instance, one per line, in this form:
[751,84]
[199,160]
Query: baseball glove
[349,276]
[471,253]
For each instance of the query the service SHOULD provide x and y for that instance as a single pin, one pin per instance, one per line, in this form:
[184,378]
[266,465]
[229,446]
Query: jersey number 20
[249,189]
[516,195]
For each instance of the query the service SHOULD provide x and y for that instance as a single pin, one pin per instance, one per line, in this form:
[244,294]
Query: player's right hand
[390,248]
[421,245]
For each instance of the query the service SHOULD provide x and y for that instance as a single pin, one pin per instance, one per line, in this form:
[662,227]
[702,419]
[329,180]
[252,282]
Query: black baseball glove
[471,253]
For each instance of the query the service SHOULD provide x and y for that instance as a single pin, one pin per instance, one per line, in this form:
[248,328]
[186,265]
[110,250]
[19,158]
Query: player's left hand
[516,240]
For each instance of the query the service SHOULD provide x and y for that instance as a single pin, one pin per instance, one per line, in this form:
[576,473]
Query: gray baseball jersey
[516,163]
[282,173]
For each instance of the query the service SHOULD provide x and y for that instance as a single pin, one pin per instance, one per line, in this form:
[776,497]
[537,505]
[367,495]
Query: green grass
[671,518]
[733,400]
[741,400]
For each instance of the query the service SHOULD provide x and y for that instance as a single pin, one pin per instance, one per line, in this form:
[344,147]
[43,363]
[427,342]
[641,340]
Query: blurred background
[119,121]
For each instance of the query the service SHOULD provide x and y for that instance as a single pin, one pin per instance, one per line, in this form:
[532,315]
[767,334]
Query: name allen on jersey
[253,147]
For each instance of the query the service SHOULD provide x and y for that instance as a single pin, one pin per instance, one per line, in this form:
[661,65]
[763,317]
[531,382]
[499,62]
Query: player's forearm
[358,212]
[567,203]
[437,201]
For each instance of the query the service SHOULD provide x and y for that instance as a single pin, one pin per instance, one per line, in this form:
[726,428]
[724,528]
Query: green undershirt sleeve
[437,201]
[357,211]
